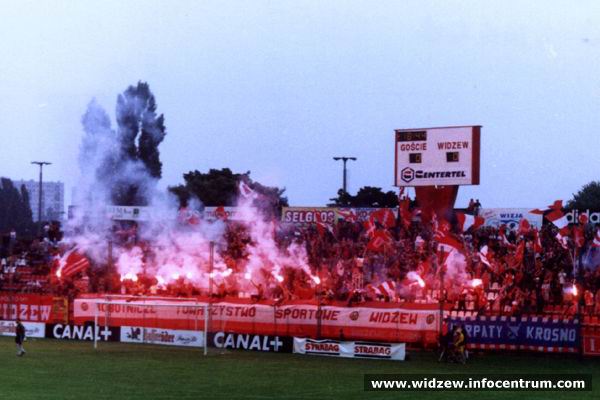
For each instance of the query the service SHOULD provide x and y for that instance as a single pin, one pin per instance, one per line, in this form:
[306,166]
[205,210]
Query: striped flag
[386,289]
[558,219]
[485,256]
[596,242]
[71,263]
[466,221]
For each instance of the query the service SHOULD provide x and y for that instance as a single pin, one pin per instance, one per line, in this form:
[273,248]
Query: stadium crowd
[485,270]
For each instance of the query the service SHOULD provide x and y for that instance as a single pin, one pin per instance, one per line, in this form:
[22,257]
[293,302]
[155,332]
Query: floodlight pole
[41,164]
[344,179]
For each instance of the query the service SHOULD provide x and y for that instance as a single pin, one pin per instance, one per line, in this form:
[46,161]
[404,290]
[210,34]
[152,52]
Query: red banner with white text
[26,307]
[412,323]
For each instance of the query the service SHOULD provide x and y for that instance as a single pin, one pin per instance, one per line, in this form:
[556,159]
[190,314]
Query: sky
[280,87]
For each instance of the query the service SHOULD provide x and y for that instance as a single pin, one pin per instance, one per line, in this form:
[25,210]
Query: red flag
[384,216]
[369,228]
[405,214]
[448,243]
[466,221]
[578,236]
[323,226]
[485,256]
[596,242]
[348,215]
[71,263]
[381,239]
[536,211]
[558,218]
[537,243]
[520,253]
[557,205]
[524,226]
[502,236]
[386,289]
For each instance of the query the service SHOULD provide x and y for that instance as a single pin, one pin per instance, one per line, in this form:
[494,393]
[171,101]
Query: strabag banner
[32,329]
[26,307]
[384,351]
[375,321]
[510,217]
[535,333]
[169,337]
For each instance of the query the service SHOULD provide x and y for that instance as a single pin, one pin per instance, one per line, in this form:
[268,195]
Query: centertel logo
[408,174]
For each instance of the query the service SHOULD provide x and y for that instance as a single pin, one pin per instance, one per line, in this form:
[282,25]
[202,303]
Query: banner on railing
[32,329]
[374,321]
[544,334]
[169,337]
[384,351]
[26,307]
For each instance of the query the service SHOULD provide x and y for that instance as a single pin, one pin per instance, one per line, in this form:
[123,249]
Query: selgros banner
[244,341]
[32,329]
[26,307]
[544,333]
[83,332]
[374,321]
[169,337]
[510,217]
[308,215]
[384,351]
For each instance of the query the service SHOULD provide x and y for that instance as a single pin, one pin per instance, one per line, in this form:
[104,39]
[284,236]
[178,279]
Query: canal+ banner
[525,333]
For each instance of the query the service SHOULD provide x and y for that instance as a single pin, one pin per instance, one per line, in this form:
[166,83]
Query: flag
[558,219]
[322,225]
[448,243]
[380,240]
[562,238]
[557,205]
[520,253]
[502,236]
[384,216]
[405,214]
[596,242]
[369,228]
[246,191]
[348,215]
[466,221]
[578,236]
[537,211]
[524,226]
[485,256]
[537,243]
[71,263]
[386,289]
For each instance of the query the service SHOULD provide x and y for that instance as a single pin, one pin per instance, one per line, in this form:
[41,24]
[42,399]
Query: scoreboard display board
[438,156]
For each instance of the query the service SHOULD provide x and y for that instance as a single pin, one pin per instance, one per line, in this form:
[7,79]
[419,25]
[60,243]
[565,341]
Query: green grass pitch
[55,369]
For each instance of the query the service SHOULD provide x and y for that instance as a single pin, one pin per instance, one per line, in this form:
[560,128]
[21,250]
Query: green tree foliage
[15,211]
[367,196]
[219,187]
[588,197]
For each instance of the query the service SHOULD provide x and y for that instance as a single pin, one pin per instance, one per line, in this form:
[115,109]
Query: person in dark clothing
[19,338]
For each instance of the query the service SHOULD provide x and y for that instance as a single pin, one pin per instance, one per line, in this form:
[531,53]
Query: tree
[366,196]
[15,211]
[219,187]
[588,197]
